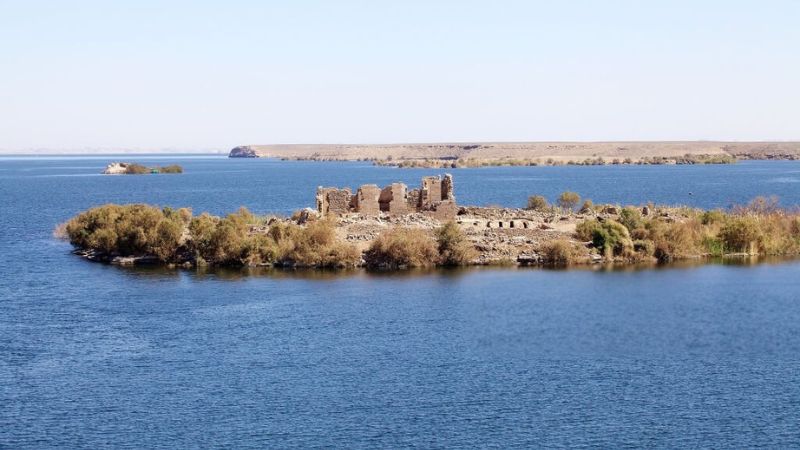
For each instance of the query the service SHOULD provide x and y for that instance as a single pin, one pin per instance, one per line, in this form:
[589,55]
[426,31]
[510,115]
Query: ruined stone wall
[447,188]
[435,198]
[366,200]
[393,199]
[333,200]
[431,190]
[413,199]
[444,210]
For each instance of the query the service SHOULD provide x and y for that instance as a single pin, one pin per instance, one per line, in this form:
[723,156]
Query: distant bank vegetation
[594,161]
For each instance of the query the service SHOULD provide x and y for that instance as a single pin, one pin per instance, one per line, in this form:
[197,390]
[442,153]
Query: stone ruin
[435,198]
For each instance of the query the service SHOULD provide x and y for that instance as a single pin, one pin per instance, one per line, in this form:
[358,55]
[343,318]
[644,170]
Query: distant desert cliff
[545,152]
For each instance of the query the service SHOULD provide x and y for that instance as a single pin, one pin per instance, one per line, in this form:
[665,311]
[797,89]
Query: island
[126,168]
[394,227]
[456,155]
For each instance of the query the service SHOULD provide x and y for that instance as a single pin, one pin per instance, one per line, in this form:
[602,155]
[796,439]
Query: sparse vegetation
[759,228]
[138,169]
[569,200]
[538,203]
[174,168]
[450,163]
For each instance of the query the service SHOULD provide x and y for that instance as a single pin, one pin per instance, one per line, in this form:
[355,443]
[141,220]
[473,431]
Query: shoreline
[541,236]
[488,154]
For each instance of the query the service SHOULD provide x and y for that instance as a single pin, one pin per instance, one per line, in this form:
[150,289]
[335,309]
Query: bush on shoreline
[759,228]
[174,236]
[559,253]
[406,247]
[402,247]
[138,169]
[454,248]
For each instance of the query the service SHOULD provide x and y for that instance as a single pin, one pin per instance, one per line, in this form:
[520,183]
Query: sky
[201,75]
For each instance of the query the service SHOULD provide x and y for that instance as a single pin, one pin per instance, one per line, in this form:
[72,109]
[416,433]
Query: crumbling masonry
[435,198]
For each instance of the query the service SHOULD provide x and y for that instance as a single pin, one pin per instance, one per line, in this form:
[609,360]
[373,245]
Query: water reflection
[277,273]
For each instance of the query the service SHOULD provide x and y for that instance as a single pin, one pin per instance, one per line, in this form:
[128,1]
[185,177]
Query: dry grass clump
[402,247]
[678,240]
[315,245]
[405,247]
[454,248]
[559,253]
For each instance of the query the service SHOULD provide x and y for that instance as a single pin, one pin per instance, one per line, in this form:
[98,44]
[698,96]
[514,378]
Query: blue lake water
[99,356]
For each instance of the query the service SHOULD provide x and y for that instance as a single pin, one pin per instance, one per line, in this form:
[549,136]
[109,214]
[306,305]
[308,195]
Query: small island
[395,228]
[126,168]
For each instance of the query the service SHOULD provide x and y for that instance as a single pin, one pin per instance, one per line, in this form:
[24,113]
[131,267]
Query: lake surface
[99,356]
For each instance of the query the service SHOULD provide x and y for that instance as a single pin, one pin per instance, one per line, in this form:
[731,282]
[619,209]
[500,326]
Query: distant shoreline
[529,153]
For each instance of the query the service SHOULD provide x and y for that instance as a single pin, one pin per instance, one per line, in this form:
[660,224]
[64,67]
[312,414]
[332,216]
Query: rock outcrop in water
[244,151]
[116,168]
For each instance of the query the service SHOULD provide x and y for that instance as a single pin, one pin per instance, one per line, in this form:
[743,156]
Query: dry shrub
[559,253]
[538,203]
[631,218]
[454,248]
[644,248]
[402,247]
[314,246]
[167,239]
[677,240]
[584,231]
[126,230]
[610,238]
[569,200]
[741,234]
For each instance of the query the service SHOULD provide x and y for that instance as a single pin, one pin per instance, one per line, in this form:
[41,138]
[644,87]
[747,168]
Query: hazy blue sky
[195,74]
